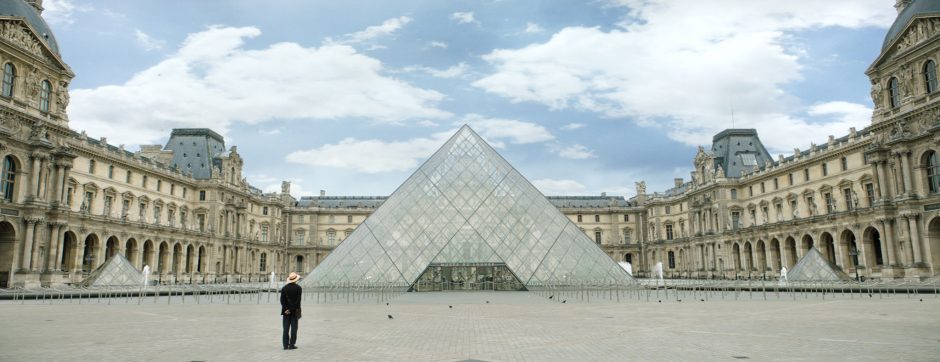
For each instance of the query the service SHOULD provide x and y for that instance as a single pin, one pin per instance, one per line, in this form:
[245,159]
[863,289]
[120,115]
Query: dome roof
[20,8]
[915,9]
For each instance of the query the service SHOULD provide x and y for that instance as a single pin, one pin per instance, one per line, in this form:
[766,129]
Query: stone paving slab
[511,327]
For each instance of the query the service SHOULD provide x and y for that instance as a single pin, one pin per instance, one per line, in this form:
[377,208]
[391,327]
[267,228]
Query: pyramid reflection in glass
[814,267]
[467,206]
[116,271]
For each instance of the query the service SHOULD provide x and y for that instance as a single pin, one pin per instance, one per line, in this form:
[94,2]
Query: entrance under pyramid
[467,220]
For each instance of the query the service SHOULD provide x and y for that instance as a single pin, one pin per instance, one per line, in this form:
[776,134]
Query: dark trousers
[290,330]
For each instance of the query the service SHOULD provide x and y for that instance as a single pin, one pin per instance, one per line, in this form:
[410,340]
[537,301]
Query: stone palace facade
[868,200]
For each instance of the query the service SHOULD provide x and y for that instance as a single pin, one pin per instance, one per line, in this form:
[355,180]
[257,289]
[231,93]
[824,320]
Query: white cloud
[847,112]
[388,27]
[270,132]
[455,71]
[464,18]
[376,156]
[146,42]
[682,78]
[438,44]
[572,126]
[518,132]
[427,123]
[208,81]
[61,12]
[550,186]
[533,28]
[576,152]
[371,156]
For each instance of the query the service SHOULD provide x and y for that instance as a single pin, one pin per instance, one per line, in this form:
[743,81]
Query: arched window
[44,96]
[672,260]
[264,260]
[9,178]
[932,163]
[930,76]
[9,75]
[894,92]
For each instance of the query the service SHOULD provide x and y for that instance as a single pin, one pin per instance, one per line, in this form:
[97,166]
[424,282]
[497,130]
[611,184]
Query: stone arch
[871,239]
[69,251]
[111,247]
[177,266]
[806,243]
[201,260]
[847,243]
[736,255]
[827,246]
[776,261]
[761,255]
[132,252]
[163,254]
[932,254]
[90,253]
[7,250]
[190,251]
[148,254]
[628,257]
[790,246]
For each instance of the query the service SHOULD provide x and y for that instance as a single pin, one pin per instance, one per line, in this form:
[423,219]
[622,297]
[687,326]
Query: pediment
[917,32]
[18,33]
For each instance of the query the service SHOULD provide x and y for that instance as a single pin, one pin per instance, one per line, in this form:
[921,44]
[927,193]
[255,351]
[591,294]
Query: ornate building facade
[868,200]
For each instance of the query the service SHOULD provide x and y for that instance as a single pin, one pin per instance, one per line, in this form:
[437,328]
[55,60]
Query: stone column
[63,179]
[880,179]
[41,180]
[33,177]
[28,243]
[54,182]
[915,239]
[784,254]
[887,242]
[58,238]
[905,160]
[35,263]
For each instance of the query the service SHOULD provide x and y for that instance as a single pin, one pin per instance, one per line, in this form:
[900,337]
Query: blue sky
[582,97]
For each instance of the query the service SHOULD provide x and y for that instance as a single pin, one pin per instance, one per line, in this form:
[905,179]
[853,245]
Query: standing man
[290,310]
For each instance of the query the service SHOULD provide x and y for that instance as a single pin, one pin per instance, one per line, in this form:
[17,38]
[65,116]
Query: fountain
[783,275]
[146,275]
[273,280]
[627,267]
[658,272]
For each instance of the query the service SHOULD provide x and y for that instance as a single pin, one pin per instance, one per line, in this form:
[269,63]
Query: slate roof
[914,9]
[194,150]
[733,147]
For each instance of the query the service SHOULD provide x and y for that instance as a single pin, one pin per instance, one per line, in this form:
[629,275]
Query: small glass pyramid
[116,271]
[467,207]
[814,267]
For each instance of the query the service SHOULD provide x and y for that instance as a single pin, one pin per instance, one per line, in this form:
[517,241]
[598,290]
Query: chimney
[38,5]
[322,193]
[901,4]
[678,181]
[603,194]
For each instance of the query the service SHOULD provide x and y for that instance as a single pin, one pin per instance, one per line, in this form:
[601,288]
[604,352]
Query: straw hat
[293,277]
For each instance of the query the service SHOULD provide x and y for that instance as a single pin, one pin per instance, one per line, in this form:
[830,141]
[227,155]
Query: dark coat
[290,297]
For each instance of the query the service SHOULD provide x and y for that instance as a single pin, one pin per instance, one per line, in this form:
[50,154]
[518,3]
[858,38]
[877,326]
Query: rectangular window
[202,195]
[597,218]
[668,210]
[107,205]
[111,172]
[762,188]
[159,185]
[299,237]
[127,177]
[172,189]
[790,179]
[579,218]
[753,217]
[141,211]
[626,217]
[264,233]
[734,194]
[169,216]
[91,167]
[849,200]
[870,194]
[68,196]
[143,182]
[669,235]
[597,237]
[735,220]
[830,203]
[330,237]
[183,219]
[779,209]
[750,190]
[264,210]
[825,169]
[793,209]
[156,215]
[201,222]
[125,206]
[811,205]
[349,219]
[805,174]
[845,164]
[766,215]
[776,184]
[184,193]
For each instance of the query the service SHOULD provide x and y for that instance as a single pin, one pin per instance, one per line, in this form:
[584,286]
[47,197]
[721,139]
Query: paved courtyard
[511,327]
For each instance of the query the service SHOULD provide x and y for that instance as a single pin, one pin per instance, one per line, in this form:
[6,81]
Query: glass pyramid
[117,271]
[814,267]
[467,206]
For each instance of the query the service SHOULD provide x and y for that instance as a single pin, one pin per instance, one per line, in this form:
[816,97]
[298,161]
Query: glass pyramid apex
[814,267]
[467,206]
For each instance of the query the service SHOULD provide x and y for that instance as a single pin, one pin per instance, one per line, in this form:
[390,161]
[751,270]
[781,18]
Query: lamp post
[853,252]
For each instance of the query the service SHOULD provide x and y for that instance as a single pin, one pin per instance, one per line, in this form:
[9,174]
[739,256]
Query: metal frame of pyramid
[813,266]
[466,204]
[116,271]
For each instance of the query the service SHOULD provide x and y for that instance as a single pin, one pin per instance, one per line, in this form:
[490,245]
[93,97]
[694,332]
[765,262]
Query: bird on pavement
[551,296]
[450,306]
[564,301]
[390,316]
[487,302]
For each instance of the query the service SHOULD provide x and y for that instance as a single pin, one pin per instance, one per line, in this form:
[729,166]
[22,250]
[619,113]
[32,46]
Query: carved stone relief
[920,31]
[21,37]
